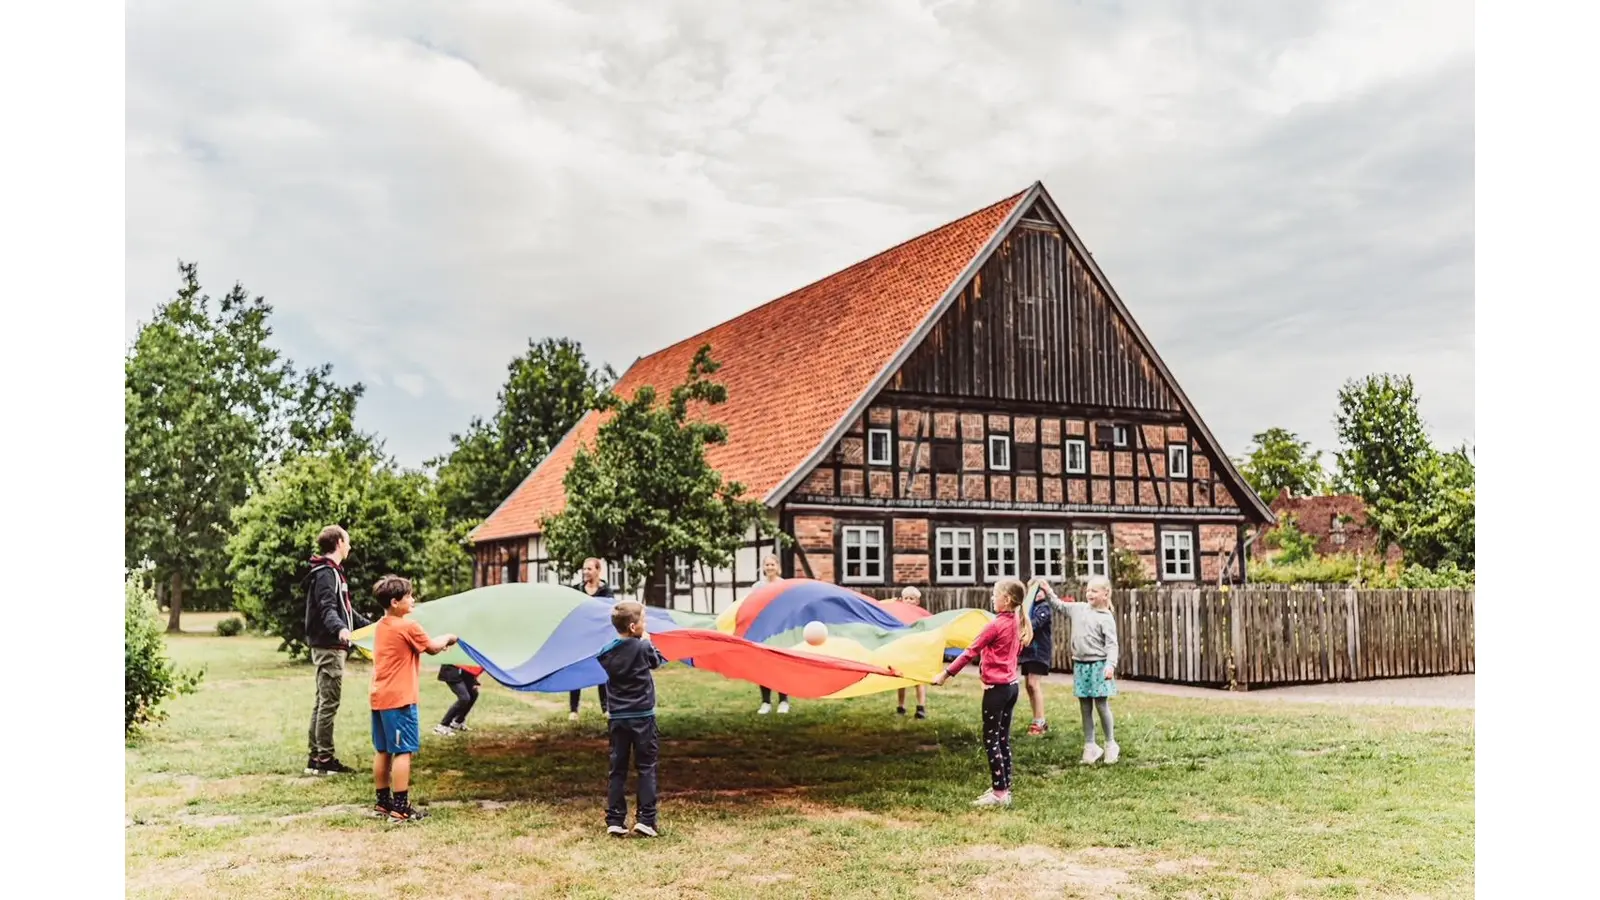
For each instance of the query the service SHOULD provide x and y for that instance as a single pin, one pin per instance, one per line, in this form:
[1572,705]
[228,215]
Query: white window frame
[1004,442]
[1083,456]
[1088,538]
[1119,435]
[945,539]
[1048,540]
[867,537]
[682,574]
[888,447]
[994,539]
[1177,541]
[1177,461]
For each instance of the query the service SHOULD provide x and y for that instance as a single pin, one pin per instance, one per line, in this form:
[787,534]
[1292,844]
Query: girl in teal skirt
[1094,663]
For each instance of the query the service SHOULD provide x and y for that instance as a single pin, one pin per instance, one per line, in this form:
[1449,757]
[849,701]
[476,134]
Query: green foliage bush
[1295,545]
[230,626]
[150,679]
[1127,571]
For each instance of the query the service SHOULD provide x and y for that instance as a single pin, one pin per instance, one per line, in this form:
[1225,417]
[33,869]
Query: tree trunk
[175,601]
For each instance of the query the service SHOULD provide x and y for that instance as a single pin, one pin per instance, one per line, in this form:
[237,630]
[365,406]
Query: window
[1077,457]
[999,451]
[953,546]
[999,553]
[1049,551]
[682,574]
[863,554]
[1119,435]
[1089,553]
[1178,461]
[1177,556]
[880,444]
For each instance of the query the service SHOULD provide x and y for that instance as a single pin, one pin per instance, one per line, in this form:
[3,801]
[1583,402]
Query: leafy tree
[149,677]
[446,564]
[1127,569]
[1382,435]
[208,403]
[1294,545]
[1280,461]
[389,513]
[645,494]
[547,390]
[1435,520]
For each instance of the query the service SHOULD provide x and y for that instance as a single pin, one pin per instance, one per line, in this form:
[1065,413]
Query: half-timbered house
[972,404]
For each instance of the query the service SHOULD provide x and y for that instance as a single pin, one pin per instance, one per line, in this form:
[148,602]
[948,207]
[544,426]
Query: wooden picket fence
[1267,636]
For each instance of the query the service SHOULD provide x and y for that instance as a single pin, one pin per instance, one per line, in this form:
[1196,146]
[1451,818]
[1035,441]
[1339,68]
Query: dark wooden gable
[1034,326]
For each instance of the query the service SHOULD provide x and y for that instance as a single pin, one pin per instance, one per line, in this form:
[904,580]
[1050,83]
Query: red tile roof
[793,367]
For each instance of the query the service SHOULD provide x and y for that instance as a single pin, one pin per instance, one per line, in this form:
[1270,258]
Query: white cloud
[1282,192]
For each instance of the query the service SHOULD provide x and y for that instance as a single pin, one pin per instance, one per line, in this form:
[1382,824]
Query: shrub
[149,676]
[1127,570]
[230,626]
[1337,569]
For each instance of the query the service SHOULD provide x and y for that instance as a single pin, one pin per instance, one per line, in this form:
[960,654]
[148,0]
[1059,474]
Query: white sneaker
[765,708]
[572,717]
[616,831]
[783,707]
[443,730]
[460,726]
[644,829]
[990,798]
[1092,754]
[1112,752]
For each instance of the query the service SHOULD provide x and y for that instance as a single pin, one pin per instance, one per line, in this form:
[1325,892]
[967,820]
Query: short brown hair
[391,588]
[625,613]
[328,539]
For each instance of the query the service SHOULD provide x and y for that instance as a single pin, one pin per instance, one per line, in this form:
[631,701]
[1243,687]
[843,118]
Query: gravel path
[1453,691]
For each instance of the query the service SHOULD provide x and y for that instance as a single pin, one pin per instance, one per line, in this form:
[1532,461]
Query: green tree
[208,403]
[1382,436]
[389,513]
[1435,521]
[547,390]
[1278,460]
[149,677]
[645,493]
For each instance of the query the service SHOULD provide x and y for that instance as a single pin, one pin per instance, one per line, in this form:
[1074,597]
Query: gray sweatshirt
[1094,633]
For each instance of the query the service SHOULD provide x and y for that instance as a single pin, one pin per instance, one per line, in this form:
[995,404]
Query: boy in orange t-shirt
[397,648]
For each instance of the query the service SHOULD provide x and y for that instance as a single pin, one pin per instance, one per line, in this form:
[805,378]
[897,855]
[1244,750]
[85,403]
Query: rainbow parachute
[544,637]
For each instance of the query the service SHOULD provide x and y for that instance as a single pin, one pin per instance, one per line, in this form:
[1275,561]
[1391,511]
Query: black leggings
[466,692]
[573,696]
[766,696]
[998,702]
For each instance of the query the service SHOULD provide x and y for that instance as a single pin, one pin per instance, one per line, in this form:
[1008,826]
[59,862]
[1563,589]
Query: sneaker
[990,798]
[1092,754]
[922,713]
[332,766]
[899,710]
[764,709]
[646,830]
[1037,730]
[572,717]
[442,730]
[313,766]
[459,726]
[1113,752]
[409,814]
[616,831]
[783,707]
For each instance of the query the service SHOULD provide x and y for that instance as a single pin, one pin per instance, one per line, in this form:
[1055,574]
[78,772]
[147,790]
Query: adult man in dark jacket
[330,618]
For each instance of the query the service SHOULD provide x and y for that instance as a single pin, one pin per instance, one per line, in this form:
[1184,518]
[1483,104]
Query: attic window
[879,441]
[1119,435]
[1178,461]
[999,452]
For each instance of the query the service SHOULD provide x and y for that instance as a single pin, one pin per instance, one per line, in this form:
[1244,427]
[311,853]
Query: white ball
[816,633]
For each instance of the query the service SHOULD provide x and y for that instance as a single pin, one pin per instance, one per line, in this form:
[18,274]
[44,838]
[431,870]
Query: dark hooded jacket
[328,606]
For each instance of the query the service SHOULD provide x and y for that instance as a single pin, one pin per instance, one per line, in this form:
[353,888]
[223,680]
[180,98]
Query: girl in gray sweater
[1094,662]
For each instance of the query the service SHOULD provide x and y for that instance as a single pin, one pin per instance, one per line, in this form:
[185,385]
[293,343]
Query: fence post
[1236,644]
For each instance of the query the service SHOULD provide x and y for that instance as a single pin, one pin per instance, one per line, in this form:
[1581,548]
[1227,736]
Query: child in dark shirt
[629,660]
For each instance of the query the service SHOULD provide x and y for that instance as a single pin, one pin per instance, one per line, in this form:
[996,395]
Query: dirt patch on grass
[1036,871]
[854,816]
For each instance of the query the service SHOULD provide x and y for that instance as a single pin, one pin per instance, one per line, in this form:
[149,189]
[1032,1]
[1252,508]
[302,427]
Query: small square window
[1119,435]
[1089,553]
[1049,550]
[1177,556]
[863,554]
[1178,461]
[880,446]
[1077,457]
[999,452]
[999,553]
[954,556]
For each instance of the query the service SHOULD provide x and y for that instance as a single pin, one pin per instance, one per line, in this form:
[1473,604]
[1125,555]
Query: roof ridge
[807,286]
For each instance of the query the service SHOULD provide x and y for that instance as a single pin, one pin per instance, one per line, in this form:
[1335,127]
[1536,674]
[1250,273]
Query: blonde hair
[625,613]
[910,593]
[1097,586]
[1016,593]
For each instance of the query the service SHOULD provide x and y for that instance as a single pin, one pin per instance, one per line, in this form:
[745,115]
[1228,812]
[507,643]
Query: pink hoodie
[999,645]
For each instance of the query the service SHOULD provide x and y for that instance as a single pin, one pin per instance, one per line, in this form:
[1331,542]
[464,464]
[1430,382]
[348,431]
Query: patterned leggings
[998,702]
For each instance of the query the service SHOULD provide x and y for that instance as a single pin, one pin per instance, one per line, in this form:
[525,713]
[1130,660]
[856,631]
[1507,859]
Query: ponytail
[1021,600]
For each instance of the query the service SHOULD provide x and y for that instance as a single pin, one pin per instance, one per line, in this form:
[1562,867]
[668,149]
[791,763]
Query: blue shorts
[396,730]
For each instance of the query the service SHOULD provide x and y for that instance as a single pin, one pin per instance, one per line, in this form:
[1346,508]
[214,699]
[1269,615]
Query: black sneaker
[899,710]
[332,766]
[313,766]
[408,814]
[922,713]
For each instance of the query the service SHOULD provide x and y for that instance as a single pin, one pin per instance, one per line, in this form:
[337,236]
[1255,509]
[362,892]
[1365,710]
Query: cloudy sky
[1282,192]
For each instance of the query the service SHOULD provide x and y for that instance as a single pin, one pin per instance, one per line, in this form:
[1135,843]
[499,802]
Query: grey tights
[1087,705]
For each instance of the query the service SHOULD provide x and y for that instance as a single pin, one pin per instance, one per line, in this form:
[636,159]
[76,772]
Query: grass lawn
[838,799]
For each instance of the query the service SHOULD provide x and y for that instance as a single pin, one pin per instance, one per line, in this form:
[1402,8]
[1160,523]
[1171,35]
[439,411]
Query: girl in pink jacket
[997,647]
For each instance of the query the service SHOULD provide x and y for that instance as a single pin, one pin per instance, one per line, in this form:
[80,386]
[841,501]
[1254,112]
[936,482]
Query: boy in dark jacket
[329,620]
[629,661]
